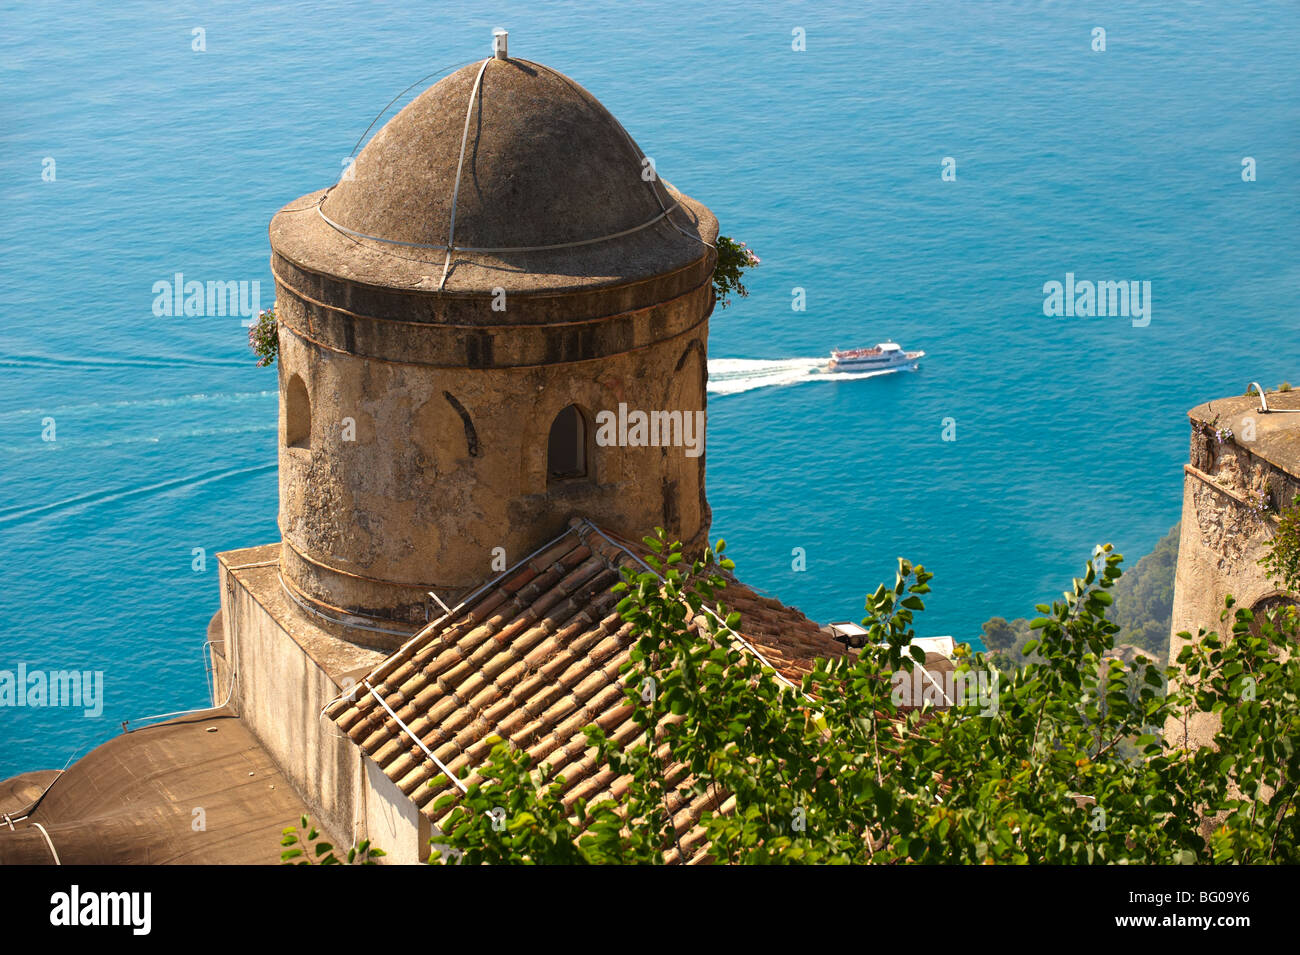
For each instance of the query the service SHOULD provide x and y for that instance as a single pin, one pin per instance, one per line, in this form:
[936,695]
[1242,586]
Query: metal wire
[460,164]
[501,250]
[450,247]
[422,79]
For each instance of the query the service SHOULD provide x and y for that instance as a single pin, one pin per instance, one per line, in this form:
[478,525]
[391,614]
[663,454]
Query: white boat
[884,356]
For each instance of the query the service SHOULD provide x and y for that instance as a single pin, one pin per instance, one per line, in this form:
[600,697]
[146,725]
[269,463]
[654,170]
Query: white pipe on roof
[418,742]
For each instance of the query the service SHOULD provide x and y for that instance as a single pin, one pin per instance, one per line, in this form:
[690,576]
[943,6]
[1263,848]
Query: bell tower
[500,271]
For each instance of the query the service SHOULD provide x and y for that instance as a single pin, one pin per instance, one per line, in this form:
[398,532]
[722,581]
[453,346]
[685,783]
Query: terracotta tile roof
[534,657]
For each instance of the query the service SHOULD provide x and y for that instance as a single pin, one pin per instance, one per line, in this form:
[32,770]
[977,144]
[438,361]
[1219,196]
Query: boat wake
[732,376]
[19,513]
[137,403]
[72,444]
[50,362]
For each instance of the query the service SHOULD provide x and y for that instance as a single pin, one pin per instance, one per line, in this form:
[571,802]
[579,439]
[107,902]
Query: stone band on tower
[500,264]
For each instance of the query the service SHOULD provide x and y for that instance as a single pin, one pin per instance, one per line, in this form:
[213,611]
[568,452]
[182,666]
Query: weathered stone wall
[1225,530]
[414,473]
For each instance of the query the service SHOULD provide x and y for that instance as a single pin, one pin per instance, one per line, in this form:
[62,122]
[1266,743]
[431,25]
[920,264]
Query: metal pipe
[1263,402]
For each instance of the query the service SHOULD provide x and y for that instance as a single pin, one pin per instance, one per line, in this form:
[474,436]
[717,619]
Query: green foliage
[1066,762]
[999,636]
[305,847]
[1250,681]
[1144,598]
[263,338]
[1143,608]
[733,259]
[512,817]
[1012,637]
[1282,552]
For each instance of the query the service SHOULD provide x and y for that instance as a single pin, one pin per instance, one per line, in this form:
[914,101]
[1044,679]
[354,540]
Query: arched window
[566,448]
[297,415]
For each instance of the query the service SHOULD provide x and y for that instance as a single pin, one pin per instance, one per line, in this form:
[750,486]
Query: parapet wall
[285,670]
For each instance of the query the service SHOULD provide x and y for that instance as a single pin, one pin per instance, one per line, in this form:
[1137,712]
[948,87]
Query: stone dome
[550,194]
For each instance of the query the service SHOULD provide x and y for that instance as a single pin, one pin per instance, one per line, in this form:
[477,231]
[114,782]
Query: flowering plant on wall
[1259,502]
[1220,435]
[262,337]
[733,259]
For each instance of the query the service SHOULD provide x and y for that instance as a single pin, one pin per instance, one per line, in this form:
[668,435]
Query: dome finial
[499,43]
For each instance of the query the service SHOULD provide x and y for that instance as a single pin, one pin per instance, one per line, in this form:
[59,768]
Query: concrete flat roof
[194,790]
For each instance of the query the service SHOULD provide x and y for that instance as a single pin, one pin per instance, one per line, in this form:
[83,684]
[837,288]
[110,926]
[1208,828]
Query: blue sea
[1122,164]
